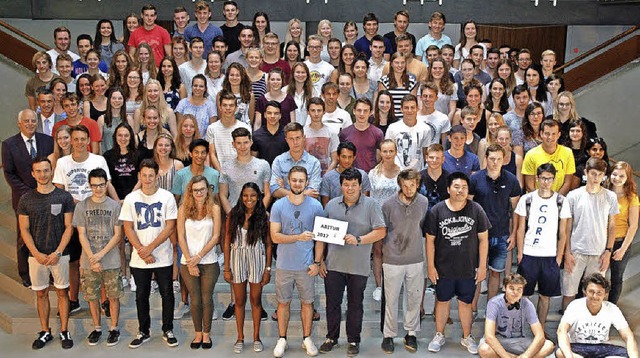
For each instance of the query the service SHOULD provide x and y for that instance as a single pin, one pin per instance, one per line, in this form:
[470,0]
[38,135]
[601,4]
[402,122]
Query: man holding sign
[348,265]
[291,224]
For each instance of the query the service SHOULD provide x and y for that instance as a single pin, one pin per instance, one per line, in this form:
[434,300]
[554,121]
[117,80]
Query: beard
[297,192]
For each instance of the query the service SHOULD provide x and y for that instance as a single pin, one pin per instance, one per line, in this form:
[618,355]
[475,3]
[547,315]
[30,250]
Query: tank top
[198,233]
[511,167]
[481,127]
[165,181]
[94,113]
[173,98]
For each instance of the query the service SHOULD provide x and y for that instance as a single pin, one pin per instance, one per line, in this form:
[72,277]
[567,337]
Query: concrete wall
[584,12]
[612,103]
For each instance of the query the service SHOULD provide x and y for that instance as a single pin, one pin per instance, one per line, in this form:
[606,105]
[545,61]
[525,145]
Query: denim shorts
[498,253]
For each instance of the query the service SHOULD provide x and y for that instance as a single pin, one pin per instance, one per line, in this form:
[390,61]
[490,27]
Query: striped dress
[247,262]
[398,92]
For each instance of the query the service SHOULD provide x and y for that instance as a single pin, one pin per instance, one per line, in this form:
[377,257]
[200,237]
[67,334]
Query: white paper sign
[329,230]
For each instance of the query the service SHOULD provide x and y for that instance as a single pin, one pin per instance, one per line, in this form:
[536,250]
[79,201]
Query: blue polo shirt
[207,36]
[467,163]
[495,198]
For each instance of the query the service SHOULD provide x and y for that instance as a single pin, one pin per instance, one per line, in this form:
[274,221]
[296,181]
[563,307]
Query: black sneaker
[44,337]
[229,313]
[170,338]
[65,340]
[316,315]
[263,315]
[353,349]
[106,308]
[140,339]
[328,345]
[113,338]
[94,337]
[411,343]
[387,345]
[74,306]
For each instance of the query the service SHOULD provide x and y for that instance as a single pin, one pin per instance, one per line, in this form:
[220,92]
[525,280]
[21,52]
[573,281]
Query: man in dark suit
[18,152]
[47,117]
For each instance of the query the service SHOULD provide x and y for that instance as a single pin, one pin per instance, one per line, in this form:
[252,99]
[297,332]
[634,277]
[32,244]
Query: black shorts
[543,271]
[464,289]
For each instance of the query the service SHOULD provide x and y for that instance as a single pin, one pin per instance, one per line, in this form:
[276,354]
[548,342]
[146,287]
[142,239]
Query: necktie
[32,149]
[47,127]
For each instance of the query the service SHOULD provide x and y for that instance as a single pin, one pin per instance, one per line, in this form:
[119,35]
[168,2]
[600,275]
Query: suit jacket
[16,163]
[39,128]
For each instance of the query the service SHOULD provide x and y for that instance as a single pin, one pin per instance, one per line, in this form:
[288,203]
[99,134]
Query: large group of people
[218,148]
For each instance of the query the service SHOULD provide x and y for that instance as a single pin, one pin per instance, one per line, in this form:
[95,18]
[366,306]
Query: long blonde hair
[162,106]
[378,167]
[491,139]
[189,207]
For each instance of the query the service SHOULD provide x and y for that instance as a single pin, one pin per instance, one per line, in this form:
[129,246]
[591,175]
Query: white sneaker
[215,315]
[176,286]
[280,348]
[154,286]
[132,283]
[436,343]
[470,343]
[310,347]
[377,294]
[125,281]
[179,311]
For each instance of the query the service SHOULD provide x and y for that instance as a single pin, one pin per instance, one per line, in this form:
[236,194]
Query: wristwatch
[359,240]
[59,254]
[610,249]
[317,263]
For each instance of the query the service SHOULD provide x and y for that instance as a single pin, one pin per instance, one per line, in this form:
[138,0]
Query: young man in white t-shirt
[584,327]
[411,136]
[591,211]
[219,132]
[149,217]
[438,121]
[334,117]
[320,70]
[195,66]
[321,140]
[541,237]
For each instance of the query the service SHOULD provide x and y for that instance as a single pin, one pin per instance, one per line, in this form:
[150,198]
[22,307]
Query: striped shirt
[398,92]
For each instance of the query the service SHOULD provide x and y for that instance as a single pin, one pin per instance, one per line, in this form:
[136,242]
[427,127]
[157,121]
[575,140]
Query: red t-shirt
[156,38]
[94,130]
[284,66]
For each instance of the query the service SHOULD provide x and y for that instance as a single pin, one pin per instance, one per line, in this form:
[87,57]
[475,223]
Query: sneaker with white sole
[310,347]
[132,283]
[215,315]
[470,343]
[377,294]
[436,343]
[280,348]
[140,339]
[170,338]
[179,311]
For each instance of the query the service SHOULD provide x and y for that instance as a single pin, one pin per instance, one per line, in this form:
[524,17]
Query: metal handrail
[597,48]
[25,35]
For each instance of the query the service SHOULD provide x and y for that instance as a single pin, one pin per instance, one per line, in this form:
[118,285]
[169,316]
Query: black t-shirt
[46,217]
[268,145]
[456,244]
[435,191]
[392,38]
[123,170]
[231,34]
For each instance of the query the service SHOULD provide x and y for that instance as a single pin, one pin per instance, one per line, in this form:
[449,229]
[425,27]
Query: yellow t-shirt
[562,159]
[622,220]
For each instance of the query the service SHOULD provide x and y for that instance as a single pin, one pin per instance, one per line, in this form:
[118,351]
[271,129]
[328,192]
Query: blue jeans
[497,260]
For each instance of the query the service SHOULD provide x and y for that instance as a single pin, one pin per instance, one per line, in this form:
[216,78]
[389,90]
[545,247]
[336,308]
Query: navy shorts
[543,271]
[464,289]
[497,260]
[601,350]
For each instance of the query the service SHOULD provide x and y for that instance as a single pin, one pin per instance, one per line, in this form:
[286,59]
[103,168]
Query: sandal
[238,347]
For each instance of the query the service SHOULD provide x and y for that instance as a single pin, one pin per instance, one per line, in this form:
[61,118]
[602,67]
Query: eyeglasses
[545,179]
[200,191]
[536,114]
[98,186]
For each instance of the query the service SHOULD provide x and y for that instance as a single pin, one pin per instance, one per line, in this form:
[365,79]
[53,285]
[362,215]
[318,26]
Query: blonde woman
[295,33]
[325,31]
[494,122]
[187,132]
[62,146]
[199,226]
[154,96]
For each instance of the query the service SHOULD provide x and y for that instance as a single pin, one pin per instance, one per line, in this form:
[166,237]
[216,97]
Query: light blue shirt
[207,36]
[283,164]
[426,41]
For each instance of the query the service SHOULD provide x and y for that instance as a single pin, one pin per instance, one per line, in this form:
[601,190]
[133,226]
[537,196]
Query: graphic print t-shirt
[590,329]
[456,244]
[149,214]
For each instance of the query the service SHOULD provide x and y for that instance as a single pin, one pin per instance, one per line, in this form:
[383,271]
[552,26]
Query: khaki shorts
[39,274]
[92,282]
[585,265]
[285,282]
